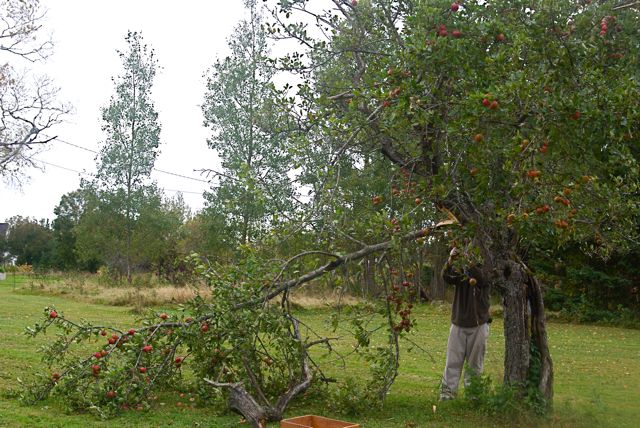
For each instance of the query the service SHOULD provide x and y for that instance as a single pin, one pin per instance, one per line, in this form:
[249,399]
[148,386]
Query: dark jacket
[470,302]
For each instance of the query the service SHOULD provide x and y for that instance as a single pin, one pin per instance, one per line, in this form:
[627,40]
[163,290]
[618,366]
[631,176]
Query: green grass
[597,374]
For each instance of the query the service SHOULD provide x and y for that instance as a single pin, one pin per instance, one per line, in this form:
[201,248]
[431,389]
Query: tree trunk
[369,278]
[516,326]
[539,337]
[438,260]
[242,402]
[527,358]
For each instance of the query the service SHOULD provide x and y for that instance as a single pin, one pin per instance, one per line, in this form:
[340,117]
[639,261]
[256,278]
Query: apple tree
[520,119]
[243,338]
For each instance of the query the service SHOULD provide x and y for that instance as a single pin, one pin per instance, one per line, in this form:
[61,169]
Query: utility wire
[63,167]
[91,175]
[175,174]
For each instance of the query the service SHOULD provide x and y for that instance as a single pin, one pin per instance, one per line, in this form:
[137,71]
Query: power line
[183,191]
[91,175]
[75,145]
[63,167]
[175,174]
[181,176]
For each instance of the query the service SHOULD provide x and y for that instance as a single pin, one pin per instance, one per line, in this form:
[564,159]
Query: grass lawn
[597,374]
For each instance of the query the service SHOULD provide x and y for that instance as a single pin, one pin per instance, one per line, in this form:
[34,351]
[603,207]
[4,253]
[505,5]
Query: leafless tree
[28,104]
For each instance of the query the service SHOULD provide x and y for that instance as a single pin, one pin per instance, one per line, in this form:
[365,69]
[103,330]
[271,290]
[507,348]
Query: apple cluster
[399,304]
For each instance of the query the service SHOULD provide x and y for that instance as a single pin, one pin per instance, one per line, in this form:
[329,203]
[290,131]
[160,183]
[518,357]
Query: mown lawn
[597,374]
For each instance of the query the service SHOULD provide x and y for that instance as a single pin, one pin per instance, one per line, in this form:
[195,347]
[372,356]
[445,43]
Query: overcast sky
[187,37]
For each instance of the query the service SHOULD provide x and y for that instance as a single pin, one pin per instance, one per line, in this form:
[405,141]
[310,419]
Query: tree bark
[369,280]
[242,402]
[516,326]
[439,258]
[527,357]
[539,337]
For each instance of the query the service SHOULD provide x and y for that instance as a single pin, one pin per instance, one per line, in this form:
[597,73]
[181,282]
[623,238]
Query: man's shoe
[445,397]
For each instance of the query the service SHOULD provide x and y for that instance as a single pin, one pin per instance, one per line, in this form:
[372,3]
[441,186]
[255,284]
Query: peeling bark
[539,337]
[516,326]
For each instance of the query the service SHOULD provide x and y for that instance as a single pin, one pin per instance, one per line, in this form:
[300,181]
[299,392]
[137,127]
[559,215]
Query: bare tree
[28,104]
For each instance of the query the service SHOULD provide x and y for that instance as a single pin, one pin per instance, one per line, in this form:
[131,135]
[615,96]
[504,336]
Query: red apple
[53,314]
[147,348]
[131,332]
[477,138]
[493,105]
[111,394]
[142,369]
[103,333]
[456,34]
[164,316]
[204,327]
[455,7]
[562,224]
[500,37]
[486,102]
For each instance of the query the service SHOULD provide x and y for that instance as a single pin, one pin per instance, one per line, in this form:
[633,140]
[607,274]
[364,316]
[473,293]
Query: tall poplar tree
[253,190]
[128,155]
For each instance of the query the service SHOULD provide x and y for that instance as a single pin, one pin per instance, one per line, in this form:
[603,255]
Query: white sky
[187,36]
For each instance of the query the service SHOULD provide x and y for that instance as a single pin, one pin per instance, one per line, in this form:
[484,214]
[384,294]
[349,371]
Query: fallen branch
[241,401]
[339,261]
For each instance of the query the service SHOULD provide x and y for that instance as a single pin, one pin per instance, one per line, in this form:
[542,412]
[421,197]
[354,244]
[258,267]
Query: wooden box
[312,421]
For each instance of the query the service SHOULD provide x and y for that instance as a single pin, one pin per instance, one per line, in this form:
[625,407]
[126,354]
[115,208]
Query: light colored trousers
[465,343]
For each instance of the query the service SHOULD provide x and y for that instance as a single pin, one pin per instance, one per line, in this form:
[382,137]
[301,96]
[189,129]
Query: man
[469,324]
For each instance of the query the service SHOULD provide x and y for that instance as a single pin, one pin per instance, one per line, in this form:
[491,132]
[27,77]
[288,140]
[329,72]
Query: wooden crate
[312,421]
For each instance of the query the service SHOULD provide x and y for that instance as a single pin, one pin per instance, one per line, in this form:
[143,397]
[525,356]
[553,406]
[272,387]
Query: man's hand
[452,255]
